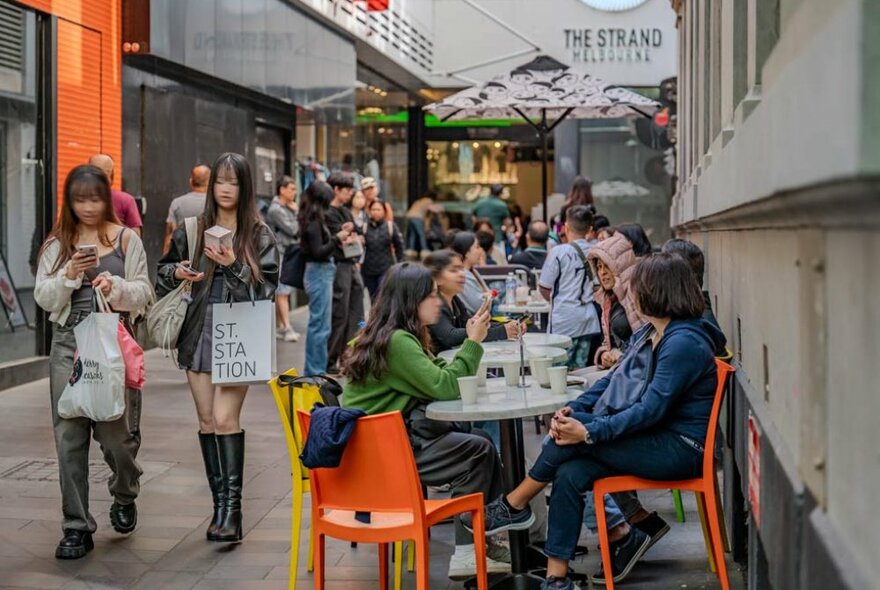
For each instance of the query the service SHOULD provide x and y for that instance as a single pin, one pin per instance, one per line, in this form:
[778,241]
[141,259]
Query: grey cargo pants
[119,440]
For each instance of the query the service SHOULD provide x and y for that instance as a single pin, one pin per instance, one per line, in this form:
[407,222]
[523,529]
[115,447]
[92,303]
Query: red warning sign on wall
[755,468]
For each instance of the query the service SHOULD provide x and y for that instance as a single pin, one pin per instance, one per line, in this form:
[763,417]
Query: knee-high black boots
[231,447]
[211,457]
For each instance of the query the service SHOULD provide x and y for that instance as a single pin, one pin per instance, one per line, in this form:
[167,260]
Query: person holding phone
[89,250]
[318,247]
[450,331]
[391,367]
[245,268]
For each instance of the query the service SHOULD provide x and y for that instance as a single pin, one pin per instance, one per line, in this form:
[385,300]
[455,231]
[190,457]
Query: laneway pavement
[168,550]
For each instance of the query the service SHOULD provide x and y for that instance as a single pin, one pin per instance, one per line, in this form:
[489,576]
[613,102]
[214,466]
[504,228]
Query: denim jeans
[318,279]
[656,454]
[415,235]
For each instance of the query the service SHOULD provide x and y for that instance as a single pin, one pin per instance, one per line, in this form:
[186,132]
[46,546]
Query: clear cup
[558,377]
[522,295]
[467,387]
[511,373]
[539,366]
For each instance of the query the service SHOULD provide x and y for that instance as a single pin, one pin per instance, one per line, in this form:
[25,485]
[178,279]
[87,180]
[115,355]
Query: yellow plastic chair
[289,399]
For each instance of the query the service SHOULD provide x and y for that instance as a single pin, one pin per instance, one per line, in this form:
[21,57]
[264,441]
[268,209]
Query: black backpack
[293,267]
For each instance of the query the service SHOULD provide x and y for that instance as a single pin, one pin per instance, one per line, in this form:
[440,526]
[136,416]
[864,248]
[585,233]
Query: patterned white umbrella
[543,92]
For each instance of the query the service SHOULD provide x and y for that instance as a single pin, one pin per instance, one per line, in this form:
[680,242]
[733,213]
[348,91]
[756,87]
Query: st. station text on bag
[242,346]
[230,354]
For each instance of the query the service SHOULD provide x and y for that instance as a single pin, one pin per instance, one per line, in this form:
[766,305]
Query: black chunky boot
[231,448]
[211,457]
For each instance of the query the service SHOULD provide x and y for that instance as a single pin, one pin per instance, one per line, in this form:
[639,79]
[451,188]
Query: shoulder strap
[192,226]
[118,246]
[390,225]
[588,274]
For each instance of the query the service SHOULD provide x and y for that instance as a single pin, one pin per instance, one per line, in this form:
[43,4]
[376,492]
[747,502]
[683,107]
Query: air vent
[11,37]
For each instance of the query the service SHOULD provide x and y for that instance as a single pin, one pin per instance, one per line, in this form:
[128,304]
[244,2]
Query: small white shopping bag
[243,342]
[96,389]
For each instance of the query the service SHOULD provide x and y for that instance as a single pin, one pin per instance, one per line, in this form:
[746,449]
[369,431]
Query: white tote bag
[96,389]
[243,342]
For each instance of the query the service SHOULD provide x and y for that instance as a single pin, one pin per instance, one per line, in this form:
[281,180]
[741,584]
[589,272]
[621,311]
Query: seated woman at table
[614,262]
[658,433]
[450,331]
[465,244]
[390,367]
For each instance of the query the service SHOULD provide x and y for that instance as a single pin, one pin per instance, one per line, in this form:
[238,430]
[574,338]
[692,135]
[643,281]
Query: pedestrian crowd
[618,300]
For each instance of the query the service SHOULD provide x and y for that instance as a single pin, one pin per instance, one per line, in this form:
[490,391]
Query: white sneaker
[291,335]
[279,333]
[463,564]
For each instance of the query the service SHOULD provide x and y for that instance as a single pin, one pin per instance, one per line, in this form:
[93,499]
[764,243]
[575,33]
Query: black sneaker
[554,583]
[499,518]
[74,544]
[625,553]
[653,526]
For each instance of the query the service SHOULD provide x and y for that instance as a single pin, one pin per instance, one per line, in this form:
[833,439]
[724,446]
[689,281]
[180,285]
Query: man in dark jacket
[348,286]
[535,254]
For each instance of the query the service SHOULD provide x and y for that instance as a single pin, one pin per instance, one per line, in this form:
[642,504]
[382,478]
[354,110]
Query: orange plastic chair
[704,487]
[378,475]
[288,403]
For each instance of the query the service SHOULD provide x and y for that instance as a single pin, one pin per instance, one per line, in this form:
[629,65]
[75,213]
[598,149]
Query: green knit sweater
[413,375]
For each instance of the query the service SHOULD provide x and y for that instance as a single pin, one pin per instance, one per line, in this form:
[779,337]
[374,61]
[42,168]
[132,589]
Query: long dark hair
[397,308]
[247,217]
[636,235]
[462,243]
[581,192]
[315,203]
[439,260]
[82,180]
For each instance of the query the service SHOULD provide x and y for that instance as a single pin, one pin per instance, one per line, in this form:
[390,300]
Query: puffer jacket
[617,254]
[237,282]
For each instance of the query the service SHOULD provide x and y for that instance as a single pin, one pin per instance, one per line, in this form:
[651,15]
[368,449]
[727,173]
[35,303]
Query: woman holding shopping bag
[87,251]
[243,269]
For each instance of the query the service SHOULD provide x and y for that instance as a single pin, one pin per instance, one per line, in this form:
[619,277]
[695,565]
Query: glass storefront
[630,182]
[19,180]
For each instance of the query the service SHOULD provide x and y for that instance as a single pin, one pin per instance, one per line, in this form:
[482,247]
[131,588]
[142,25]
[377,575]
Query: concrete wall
[782,193]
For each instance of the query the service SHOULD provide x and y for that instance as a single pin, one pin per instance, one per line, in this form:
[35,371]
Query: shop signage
[755,468]
[599,45]
[9,298]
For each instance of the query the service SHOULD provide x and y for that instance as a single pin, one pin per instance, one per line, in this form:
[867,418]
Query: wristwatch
[587,438]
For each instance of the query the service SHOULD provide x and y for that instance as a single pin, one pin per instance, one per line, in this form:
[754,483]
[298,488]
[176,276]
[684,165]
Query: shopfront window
[380,141]
[630,182]
[19,180]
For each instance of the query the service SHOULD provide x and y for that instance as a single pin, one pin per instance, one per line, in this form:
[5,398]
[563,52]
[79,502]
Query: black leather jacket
[236,285]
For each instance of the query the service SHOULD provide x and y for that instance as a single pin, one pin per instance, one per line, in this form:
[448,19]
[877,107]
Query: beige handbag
[165,318]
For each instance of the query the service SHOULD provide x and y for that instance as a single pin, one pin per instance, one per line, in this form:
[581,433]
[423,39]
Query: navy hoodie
[680,394]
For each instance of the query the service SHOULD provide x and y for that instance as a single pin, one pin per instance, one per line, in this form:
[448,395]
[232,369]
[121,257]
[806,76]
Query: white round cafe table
[496,354]
[509,405]
[541,339]
[543,307]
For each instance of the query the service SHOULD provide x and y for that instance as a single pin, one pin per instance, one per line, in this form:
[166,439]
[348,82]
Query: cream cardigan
[133,294]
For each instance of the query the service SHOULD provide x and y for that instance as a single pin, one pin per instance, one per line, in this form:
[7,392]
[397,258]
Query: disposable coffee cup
[522,295]
[511,373]
[558,377]
[467,387]
[539,366]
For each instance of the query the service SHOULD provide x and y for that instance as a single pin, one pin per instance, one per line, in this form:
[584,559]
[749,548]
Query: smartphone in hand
[89,251]
[186,268]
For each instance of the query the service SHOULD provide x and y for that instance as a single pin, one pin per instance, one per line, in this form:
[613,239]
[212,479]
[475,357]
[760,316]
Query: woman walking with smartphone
[88,251]
[318,245]
[243,269]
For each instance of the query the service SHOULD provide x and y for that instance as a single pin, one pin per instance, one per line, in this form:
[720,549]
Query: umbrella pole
[544,174]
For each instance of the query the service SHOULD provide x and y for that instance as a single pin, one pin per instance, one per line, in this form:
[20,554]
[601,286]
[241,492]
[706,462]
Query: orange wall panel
[89,88]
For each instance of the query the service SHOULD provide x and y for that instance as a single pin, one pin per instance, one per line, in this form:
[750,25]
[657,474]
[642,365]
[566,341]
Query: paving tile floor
[169,551]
